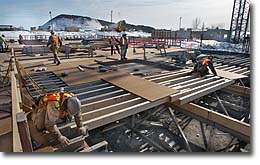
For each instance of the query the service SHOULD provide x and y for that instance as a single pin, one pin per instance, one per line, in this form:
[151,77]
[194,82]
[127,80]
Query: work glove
[63,141]
[83,131]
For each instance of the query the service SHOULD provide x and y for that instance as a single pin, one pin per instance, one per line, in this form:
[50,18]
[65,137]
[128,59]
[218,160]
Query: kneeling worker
[202,64]
[54,106]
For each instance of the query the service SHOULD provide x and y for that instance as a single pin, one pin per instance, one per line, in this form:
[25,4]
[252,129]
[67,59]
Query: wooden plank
[215,118]
[75,144]
[6,126]
[110,109]
[246,73]
[176,96]
[6,142]
[106,102]
[24,132]
[229,75]
[4,115]
[45,149]
[170,77]
[203,92]
[244,91]
[123,113]
[228,68]
[101,146]
[202,81]
[221,67]
[165,74]
[140,87]
[241,70]
[177,80]
[17,147]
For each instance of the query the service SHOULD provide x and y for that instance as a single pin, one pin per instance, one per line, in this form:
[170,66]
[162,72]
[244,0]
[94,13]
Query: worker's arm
[78,120]
[49,41]
[60,42]
[210,64]
[52,115]
[55,132]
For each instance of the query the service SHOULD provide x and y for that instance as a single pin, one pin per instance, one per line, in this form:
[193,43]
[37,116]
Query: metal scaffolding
[239,21]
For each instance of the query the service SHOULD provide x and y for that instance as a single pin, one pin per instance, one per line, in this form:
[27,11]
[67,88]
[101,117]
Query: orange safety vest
[57,98]
[205,61]
[55,40]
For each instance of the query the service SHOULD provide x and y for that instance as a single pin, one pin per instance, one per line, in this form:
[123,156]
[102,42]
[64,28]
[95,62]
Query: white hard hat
[73,105]
[202,56]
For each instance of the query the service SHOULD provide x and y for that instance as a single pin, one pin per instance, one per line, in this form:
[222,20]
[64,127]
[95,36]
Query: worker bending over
[55,43]
[57,106]
[202,64]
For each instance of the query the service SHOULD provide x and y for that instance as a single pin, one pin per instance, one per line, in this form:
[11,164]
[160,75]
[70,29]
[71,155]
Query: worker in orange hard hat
[55,43]
[54,107]
[202,64]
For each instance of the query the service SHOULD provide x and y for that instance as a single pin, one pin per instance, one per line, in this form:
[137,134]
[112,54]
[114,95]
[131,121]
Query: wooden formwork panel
[229,75]
[140,87]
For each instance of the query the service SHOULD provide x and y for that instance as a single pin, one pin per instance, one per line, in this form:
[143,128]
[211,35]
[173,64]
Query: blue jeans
[123,52]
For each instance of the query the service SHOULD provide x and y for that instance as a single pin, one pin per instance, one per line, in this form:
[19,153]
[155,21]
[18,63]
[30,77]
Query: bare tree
[203,26]
[217,26]
[196,23]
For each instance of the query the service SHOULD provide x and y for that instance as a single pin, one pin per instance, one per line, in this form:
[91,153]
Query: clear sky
[156,13]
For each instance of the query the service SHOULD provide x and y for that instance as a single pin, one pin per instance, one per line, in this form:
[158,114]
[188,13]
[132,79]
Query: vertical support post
[210,147]
[144,52]
[203,135]
[24,132]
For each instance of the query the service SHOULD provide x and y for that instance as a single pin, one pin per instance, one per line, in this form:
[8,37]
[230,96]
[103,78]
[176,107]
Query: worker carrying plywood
[202,64]
[54,107]
[55,43]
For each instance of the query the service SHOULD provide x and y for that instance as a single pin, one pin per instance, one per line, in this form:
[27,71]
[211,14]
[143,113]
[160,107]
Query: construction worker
[20,40]
[202,64]
[124,46]
[55,43]
[114,42]
[53,107]
[2,43]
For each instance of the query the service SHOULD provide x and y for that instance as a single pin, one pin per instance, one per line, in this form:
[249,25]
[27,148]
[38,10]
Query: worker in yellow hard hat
[57,106]
[124,46]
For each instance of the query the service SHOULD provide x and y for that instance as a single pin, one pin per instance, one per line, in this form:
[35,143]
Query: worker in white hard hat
[201,65]
[54,107]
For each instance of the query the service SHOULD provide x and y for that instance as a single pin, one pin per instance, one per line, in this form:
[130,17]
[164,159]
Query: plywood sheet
[140,87]
[6,126]
[229,75]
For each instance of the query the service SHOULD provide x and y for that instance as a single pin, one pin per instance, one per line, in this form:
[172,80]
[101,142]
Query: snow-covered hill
[63,21]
